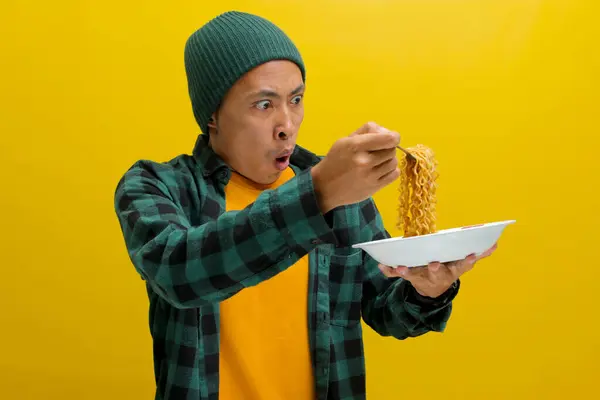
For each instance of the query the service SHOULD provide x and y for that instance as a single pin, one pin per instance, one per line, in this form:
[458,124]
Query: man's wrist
[414,297]
[320,194]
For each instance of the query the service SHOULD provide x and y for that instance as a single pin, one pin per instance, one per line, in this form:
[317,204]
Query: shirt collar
[207,158]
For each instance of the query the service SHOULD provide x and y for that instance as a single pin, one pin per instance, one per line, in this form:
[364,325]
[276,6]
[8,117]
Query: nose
[284,128]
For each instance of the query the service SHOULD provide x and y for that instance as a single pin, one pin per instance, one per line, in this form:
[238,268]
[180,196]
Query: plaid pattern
[192,255]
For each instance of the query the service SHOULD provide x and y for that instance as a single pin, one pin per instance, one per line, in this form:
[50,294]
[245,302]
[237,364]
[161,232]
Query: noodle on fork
[417,197]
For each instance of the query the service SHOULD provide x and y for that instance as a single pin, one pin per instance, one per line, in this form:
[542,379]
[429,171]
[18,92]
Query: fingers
[385,167]
[375,141]
[488,252]
[389,271]
[401,271]
[434,272]
[369,127]
[380,164]
[379,157]
[398,272]
[389,177]
[431,274]
[455,269]
[435,278]
[372,137]
[376,158]
[460,267]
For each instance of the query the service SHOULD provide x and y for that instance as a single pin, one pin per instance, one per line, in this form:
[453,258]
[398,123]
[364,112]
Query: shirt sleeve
[192,265]
[392,306]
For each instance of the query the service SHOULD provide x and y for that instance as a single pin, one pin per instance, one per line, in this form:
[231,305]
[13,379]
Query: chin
[272,177]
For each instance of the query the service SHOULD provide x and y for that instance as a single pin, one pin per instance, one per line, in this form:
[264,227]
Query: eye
[263,105]
[297,99]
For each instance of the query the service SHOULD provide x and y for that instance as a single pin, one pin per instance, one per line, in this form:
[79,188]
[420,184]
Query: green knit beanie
[223,50]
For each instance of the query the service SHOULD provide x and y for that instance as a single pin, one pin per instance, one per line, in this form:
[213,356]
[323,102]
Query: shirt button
[316,241]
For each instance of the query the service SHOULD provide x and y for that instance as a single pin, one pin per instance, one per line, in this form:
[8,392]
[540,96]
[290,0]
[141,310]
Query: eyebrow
[275,95]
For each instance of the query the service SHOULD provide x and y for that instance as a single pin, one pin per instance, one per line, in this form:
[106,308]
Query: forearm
[391,306]
[194,265]
[399,311]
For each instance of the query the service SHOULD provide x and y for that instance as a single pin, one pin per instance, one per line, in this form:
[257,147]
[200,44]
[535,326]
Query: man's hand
[356,167]
[434,279]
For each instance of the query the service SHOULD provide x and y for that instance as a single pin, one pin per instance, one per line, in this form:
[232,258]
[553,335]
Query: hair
[418,187]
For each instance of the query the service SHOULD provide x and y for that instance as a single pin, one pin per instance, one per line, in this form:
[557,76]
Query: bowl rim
[438,233]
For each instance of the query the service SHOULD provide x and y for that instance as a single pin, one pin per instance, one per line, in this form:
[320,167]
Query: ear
[212,122]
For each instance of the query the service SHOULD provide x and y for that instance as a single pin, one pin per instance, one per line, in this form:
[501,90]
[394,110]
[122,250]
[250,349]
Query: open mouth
[282,162]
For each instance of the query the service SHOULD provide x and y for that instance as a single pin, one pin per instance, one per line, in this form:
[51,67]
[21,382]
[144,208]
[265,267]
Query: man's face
[256,127]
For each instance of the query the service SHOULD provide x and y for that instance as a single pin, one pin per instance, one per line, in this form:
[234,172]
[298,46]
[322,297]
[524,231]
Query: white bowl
[442,246]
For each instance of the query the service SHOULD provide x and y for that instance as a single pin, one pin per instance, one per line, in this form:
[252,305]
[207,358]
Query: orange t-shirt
[264,343]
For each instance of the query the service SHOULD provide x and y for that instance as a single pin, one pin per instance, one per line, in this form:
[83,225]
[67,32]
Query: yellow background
[505,91]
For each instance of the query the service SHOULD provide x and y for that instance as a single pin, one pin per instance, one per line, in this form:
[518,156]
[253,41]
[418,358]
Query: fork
[408,155]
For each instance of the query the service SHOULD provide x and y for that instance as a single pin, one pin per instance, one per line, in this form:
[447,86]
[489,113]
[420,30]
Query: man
[255,291]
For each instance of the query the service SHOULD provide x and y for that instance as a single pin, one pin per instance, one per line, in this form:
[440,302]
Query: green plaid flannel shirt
[193,255]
